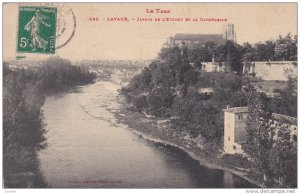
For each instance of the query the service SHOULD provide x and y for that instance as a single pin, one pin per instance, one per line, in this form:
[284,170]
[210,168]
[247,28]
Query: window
[240,116]
[228,138]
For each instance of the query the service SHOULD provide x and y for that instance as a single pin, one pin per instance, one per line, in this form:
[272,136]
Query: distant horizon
[74,59]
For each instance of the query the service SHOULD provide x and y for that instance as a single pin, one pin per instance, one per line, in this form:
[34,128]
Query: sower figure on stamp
[34,25]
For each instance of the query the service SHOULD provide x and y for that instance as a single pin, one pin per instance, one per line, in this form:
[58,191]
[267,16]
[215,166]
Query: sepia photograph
[149,95]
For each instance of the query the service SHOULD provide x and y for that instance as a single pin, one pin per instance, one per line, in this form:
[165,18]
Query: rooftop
[242,109]
[284,119]
[202,38]
[277,117]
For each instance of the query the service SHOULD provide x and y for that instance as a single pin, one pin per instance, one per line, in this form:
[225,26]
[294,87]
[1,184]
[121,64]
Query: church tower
[229,33]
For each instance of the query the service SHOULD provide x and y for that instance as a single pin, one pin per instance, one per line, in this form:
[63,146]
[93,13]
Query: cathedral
[201,39]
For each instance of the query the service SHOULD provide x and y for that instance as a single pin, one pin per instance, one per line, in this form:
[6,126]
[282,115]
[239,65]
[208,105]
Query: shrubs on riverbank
[236,160]
[23,127]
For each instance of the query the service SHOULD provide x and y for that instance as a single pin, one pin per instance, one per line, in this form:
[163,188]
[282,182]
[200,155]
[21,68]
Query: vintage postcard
[150,95]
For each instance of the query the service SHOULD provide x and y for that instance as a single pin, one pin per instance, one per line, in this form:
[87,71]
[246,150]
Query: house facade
[235,129]
[235,133]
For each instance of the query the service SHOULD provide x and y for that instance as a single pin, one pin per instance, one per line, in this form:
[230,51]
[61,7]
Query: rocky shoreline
[157,130]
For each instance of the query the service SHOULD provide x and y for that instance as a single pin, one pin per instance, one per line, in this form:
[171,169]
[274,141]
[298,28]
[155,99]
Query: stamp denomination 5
[36,29]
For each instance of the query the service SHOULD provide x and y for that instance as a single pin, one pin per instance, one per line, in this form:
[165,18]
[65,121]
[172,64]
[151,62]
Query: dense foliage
[56,74]
[171,88]
[285,100]
[176,89]
[23,126]
[272,146]
[284,48]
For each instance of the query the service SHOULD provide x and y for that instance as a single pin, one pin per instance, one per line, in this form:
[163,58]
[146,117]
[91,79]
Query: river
[88,148]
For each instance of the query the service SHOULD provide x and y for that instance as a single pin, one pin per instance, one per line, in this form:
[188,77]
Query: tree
[234,57]
[248,52]
[211,47]
[294,48]
[285,99]
[270,143]
[283,159]
[160,100]
[200,53]
[285,48]
[23,126]
[221,53]
[259,139]
[264,51]
[57,74]
[231,54]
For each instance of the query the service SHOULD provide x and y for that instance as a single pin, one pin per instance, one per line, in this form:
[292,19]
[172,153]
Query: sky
[103,39]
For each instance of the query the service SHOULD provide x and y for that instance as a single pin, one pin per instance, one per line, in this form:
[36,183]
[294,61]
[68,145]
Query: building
[271,70]
[229,32]
[196,39]
[213,66]
[235,133]
[200,39]
[288,123]
[235,129]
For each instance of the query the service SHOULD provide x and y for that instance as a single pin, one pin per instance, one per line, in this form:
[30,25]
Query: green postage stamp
[37,29]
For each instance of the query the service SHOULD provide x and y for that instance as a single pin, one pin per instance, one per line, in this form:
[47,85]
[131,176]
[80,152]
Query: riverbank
[159,130]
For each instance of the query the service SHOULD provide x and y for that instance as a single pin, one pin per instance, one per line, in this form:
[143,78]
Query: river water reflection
[88,148]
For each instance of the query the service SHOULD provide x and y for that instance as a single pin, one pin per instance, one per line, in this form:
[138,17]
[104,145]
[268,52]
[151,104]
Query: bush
[237,160]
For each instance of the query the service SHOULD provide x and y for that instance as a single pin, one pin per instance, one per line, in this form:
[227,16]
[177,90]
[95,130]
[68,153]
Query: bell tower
[229,32]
